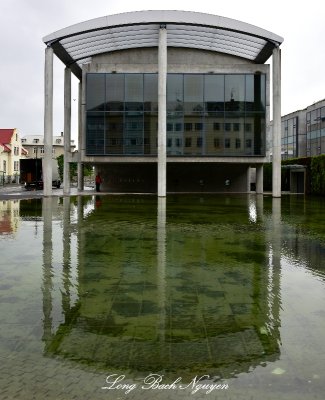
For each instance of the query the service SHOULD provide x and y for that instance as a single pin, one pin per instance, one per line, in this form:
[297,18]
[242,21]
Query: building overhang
[77,44]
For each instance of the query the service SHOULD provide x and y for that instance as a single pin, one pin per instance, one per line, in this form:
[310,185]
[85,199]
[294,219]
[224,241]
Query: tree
[73,168]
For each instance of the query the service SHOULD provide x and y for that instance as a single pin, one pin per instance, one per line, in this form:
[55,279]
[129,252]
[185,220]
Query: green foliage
[60,166]
[318,174]
[73,168]
[88,170]
[315,174]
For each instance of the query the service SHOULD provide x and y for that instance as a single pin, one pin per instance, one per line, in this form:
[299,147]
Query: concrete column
[81,101]
[48,122]
[67,131]
[276,152]
[80,172]
[162,114]
[259,179]
[248,180]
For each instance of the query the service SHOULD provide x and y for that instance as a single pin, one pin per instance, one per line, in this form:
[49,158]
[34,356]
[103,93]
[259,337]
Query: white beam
[48,122]
[276,151]
[162,114]
[67,131]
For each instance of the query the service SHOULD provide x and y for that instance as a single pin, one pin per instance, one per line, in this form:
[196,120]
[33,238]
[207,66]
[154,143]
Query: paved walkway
[17,191]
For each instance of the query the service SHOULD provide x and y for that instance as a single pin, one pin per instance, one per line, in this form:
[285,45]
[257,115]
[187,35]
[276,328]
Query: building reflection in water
[160,290]
[9,217]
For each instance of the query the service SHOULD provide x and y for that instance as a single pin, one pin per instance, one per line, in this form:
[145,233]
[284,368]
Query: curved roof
[76,44]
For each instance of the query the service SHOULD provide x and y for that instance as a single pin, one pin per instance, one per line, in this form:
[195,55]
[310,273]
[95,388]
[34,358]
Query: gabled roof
[6,135]
[76,44]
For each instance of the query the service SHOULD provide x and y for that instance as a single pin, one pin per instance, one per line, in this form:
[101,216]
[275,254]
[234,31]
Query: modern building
[303,132]
[169,101]
[34,144]
[11,150]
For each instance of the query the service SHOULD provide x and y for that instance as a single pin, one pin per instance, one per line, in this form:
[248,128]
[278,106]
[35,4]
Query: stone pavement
[17,191]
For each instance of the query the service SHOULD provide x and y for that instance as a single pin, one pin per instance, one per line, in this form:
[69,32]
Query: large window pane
[114,92]
[133,134]
[150,128]
[134,92]
[95,127]
[214,93]
[175,92]
[114,129]
[175,129]
[214,134]
[255,133]
[234,92]
[150,96]
[193,93]
[95,98]
[255,92]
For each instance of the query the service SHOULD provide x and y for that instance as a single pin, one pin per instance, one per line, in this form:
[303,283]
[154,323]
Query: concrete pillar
[80,172]
[276,152]
[81,101]
[48,122]
[162,114]
[259,179]
[248,180]
[67,131]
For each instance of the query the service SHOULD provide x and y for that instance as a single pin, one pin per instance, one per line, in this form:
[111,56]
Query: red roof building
[11,151]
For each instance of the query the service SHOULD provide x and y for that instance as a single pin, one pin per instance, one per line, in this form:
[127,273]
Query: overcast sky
[23,24]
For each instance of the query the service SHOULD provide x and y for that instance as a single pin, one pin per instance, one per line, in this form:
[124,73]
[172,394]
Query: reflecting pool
[134,297]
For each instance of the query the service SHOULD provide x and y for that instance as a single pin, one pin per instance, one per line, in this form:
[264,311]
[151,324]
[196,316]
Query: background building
[303,132]
[169,101]
[34,144]
[11,151]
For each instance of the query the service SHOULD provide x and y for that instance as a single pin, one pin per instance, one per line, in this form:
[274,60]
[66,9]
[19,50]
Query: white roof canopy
[76,44]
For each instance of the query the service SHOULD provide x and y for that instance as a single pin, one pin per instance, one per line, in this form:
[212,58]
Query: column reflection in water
[161,264]
[214,310]
[274,278]
[260,207]
[47,268]
[66,237]
[255,208]
[252,208]
[266,281]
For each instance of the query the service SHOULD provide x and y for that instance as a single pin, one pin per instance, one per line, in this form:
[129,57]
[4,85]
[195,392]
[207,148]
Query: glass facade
[289,138]
[315,126]
[207,114]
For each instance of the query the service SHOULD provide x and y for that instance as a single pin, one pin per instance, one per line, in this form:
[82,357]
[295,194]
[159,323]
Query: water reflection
[183,286]
[9,217]
[157,292]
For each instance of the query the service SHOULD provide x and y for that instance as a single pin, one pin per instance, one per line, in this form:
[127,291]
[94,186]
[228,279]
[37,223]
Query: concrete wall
[181,177]
[128,177]
[179,60]
[206,177]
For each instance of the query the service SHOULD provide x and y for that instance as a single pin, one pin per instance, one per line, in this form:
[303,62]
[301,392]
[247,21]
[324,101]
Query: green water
[229,288]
